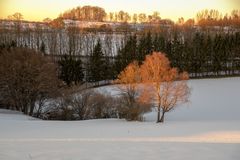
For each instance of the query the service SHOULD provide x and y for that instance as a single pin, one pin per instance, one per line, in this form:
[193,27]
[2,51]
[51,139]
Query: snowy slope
[210,99]
[206,128]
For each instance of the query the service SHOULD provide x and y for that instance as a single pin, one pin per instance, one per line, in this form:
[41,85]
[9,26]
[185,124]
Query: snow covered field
[206,128]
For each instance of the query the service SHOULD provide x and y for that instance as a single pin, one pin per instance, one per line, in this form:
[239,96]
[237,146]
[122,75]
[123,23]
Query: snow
[210,100]
[206,128]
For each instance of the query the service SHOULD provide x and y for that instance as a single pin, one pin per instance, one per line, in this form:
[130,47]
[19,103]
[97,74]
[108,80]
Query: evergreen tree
[159,43]
[198,42]
[129,51]
[13,44]
[209,54]
[96,64]
[2,46]
[71,70]
[118,64]
[108,73]
[176,52]
[226,55]
[202,56]
[231,54]
[131,48]
[217,66]
[236,52]
[188,57]
[145,46]
[43,48]
[127,54]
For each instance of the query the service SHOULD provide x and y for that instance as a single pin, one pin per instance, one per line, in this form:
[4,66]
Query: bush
[102,106]
[133,112]
[85,105]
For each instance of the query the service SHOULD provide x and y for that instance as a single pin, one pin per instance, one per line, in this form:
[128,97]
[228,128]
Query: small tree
[168,87]
[133,103]
[80,104]
[43,48]
[96,64]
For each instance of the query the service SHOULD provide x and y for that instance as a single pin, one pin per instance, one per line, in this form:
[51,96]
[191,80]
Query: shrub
[83,105]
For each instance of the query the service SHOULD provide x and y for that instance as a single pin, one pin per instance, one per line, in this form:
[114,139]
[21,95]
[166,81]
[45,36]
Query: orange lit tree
[168,87]
[161,85]
[133,100]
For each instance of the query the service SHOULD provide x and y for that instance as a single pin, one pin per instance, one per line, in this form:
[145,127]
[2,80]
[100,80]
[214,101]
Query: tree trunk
[40,104]
[162,117]
[25,109]
[32,106]
[158,115]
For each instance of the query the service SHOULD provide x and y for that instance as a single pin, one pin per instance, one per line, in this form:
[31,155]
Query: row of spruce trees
[93,68]
[203,55]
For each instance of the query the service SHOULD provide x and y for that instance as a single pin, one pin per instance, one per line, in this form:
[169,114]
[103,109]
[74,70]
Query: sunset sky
[37,10]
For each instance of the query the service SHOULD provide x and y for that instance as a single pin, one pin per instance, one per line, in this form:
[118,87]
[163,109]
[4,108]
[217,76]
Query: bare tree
[168,87]
[130,78]
[155,17]
[26,77]
[134,103]
[135,18]
[80,104]
[142,17]
[47,20]
[16,16]
[101,106]
[180,21]
[111,16]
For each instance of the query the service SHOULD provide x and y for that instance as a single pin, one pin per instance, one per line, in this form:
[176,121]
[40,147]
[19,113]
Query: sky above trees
[39,9]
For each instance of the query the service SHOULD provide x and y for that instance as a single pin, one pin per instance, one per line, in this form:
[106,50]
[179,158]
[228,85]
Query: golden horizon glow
[37,10]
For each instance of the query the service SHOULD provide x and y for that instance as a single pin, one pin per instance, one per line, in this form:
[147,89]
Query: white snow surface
[206,128]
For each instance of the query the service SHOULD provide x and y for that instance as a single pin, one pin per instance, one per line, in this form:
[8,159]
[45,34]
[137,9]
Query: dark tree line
[95,68]
[202,55]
